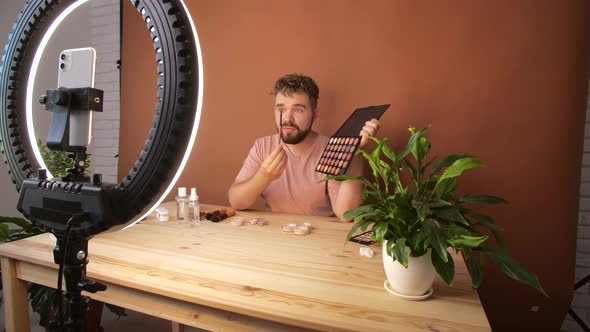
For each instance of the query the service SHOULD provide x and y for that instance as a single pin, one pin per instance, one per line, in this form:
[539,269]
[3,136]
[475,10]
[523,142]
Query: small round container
[238,222]
[288,228]
[301,230]
[162,214]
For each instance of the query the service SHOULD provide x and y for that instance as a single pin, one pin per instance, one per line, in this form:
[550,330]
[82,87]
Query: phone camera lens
[62,66]
[63,56]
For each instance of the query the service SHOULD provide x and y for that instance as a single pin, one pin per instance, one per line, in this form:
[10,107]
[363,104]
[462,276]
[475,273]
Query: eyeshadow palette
[338,154]
[342,146]
[365,238]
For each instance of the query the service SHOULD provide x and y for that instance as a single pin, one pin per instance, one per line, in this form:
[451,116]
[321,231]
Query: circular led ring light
[180,93]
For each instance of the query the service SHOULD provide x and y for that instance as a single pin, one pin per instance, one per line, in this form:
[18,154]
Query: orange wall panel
[505,81]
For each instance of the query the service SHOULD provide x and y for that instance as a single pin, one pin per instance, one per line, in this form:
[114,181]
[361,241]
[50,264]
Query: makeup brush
[280,127]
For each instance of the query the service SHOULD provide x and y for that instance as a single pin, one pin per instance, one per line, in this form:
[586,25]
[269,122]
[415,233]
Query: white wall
[581,302]
[106,39]
[95,24]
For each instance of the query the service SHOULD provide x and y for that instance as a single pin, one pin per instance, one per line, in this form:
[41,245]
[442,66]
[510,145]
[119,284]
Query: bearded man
[281,170]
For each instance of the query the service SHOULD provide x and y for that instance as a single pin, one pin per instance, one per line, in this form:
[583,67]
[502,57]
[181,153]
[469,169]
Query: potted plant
[411,206]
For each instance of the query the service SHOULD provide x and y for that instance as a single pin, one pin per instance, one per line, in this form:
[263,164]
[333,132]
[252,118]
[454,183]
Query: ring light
[75,211]
[170,140]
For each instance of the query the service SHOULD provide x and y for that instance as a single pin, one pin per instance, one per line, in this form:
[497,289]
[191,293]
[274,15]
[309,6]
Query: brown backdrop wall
[506,81]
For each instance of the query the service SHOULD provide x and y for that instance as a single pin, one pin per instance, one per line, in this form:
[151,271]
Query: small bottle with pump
[182,206]
[194,208]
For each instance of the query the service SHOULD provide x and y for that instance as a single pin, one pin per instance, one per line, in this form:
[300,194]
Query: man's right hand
[273,166]
[242,195]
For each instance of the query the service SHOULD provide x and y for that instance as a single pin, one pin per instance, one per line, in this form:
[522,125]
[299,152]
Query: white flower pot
[415,281]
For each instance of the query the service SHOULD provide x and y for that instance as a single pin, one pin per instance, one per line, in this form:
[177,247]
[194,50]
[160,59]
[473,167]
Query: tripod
[71,253]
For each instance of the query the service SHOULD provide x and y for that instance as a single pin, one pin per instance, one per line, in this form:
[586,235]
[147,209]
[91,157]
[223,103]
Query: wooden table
[251,278]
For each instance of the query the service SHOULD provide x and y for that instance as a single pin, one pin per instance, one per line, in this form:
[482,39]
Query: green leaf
[413,138]
[374,163]
[488,222]
[485,220]
[437,203]
[401,251]
[446,269]
[467,241]
[389,248]
[352,231]
[362,212]
[460,166]
[120,312]
[437,238]
[447,161]
[501,241]
[345,177]
[422,208]
[384,171]
[513,269]
[388,151]
[4,232]
[483,199]
[474,268]
[425,166]
[450,213]
[20,222]
[415,174]
[420,148]
[445,187]
[379,231]
[452,230]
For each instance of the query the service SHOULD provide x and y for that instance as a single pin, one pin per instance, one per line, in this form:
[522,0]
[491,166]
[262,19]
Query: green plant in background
[43,298]
[411,203]
[20,229]
[58,162]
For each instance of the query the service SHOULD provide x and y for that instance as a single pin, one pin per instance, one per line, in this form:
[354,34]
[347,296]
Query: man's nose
[287,116]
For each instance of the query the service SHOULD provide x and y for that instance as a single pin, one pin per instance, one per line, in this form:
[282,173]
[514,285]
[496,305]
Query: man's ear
[316,113]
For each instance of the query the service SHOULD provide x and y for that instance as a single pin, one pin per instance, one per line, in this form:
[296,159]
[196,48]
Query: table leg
[177,327]
[14,292]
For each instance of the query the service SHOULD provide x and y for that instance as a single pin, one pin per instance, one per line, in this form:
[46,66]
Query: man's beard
[299,136]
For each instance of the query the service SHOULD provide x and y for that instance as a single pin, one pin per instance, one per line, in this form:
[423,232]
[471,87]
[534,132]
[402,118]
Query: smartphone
[76,70]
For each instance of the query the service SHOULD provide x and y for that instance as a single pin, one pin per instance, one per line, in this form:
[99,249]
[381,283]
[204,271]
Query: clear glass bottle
[182,206]
[194,209]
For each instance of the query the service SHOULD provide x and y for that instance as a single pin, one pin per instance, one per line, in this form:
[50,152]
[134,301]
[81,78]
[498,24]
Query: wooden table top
[315,281]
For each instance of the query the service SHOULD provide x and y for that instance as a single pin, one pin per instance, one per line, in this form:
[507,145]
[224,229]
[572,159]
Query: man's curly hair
[298,83]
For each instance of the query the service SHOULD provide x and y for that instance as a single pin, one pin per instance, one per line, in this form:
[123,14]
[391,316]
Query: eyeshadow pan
[337,154]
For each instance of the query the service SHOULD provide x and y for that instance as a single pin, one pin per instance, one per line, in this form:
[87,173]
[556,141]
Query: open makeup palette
[342,146]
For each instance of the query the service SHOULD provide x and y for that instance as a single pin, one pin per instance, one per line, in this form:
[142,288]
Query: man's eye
[299,110]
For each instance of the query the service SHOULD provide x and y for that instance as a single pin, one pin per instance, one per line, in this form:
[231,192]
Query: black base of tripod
[72,253]
[571,311]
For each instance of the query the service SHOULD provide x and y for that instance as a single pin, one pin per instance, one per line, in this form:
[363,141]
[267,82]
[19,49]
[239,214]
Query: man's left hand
[370,129]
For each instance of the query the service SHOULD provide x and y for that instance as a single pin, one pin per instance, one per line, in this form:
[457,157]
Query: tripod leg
[75,272]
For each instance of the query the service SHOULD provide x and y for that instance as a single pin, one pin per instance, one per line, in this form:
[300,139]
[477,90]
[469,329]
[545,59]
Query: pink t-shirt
[298,189]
